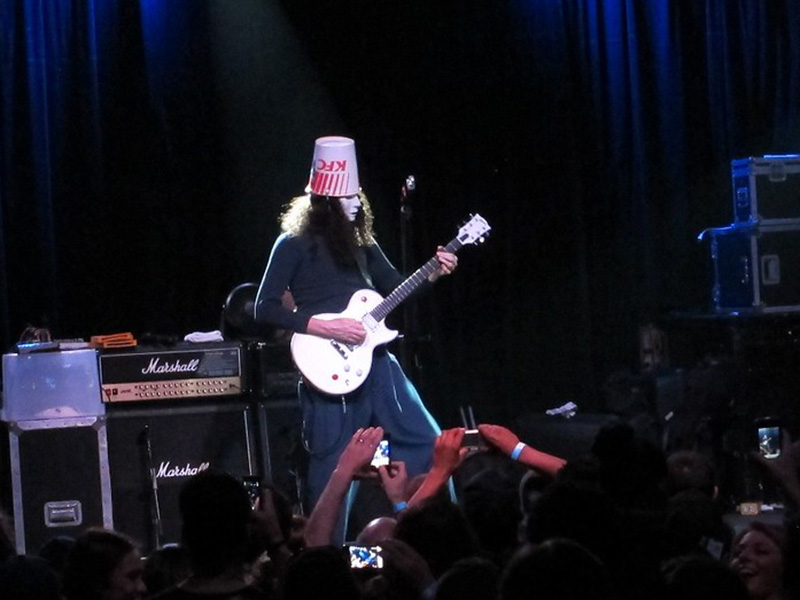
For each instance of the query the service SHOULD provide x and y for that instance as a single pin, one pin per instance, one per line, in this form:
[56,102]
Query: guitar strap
[362,266]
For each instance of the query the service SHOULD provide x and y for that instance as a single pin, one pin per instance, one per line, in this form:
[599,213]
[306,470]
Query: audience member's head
[438,531]
[687,469]
[577,511]
[791,556]
[695,524]
[215,512]
[28,578]
[55,551]
[7,549]
[632,468]
[757,555]
[557,569]
[103,565]
[166,567]
[471,578]
[376,531]
[321,572]
[700,577]
[405,574]
[489,501]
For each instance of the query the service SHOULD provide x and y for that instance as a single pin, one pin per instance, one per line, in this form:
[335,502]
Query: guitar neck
[412,282]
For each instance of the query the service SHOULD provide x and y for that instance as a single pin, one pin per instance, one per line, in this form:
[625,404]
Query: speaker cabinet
[59,478]
[285,458]
[153,451]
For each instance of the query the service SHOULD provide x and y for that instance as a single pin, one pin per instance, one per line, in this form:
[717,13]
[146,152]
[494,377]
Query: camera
[472,440]
[252,485]
[768,430]
[383,455]
[365,557]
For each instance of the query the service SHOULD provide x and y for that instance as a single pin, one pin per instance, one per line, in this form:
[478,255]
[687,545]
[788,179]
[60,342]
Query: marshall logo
[166,470]
[156,366]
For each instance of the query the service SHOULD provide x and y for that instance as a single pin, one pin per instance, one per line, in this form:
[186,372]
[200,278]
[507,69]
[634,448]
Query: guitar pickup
[369,322]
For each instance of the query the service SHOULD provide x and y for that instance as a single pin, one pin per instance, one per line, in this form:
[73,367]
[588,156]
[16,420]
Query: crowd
[623,522]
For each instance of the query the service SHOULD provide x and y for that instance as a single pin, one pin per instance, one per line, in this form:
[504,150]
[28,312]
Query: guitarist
[326,252]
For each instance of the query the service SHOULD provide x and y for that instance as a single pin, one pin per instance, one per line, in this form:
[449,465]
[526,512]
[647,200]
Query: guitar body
[336,368]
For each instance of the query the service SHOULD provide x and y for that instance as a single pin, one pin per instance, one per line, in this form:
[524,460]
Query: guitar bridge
[341,349]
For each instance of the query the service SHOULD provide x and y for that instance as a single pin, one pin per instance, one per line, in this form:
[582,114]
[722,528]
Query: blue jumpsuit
[387,398]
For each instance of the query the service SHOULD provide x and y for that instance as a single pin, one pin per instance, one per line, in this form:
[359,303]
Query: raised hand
[395,481]
[359,450]
[507,442]
[447,450]
[784,468]
[500,437]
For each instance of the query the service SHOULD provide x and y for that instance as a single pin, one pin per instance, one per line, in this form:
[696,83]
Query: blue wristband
[400,506]
[517,451]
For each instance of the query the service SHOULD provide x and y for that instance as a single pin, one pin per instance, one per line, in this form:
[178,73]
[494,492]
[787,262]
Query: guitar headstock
[474,231]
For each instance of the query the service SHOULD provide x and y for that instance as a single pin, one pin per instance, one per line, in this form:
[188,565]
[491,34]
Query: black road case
[756,268]
[59,477]
[766,189]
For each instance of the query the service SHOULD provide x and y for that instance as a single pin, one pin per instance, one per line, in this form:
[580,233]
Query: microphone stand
[406,212]
[155,514]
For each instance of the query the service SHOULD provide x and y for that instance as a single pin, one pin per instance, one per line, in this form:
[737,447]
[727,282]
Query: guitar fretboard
[412,282]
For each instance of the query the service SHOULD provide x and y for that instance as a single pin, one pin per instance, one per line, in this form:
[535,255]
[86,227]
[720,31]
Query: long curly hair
[322,218]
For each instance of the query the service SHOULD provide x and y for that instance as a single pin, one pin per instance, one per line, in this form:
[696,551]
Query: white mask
[350,205]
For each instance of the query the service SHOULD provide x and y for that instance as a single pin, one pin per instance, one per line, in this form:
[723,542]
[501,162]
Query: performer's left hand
[447,264]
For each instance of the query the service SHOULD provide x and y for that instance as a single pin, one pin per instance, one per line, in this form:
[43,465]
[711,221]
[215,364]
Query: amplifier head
[185,371]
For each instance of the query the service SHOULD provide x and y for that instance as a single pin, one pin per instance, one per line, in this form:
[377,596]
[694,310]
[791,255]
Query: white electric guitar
[337,368]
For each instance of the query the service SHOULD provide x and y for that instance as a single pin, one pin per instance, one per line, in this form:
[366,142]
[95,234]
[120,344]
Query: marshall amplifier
[153,451]
[184,371]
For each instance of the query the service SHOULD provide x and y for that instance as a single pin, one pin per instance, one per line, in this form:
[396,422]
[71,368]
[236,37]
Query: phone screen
[769,440]
[253,487]
[365,557]
[382,455]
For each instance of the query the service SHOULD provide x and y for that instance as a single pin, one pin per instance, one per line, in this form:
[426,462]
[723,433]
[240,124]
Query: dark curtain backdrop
[147,147]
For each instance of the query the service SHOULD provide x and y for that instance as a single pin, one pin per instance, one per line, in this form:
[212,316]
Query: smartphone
[365,557]
[252,484]
[383,455]
[472,440]
[768,430]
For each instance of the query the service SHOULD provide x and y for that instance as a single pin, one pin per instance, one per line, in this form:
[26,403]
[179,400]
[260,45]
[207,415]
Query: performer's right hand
[347,331]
